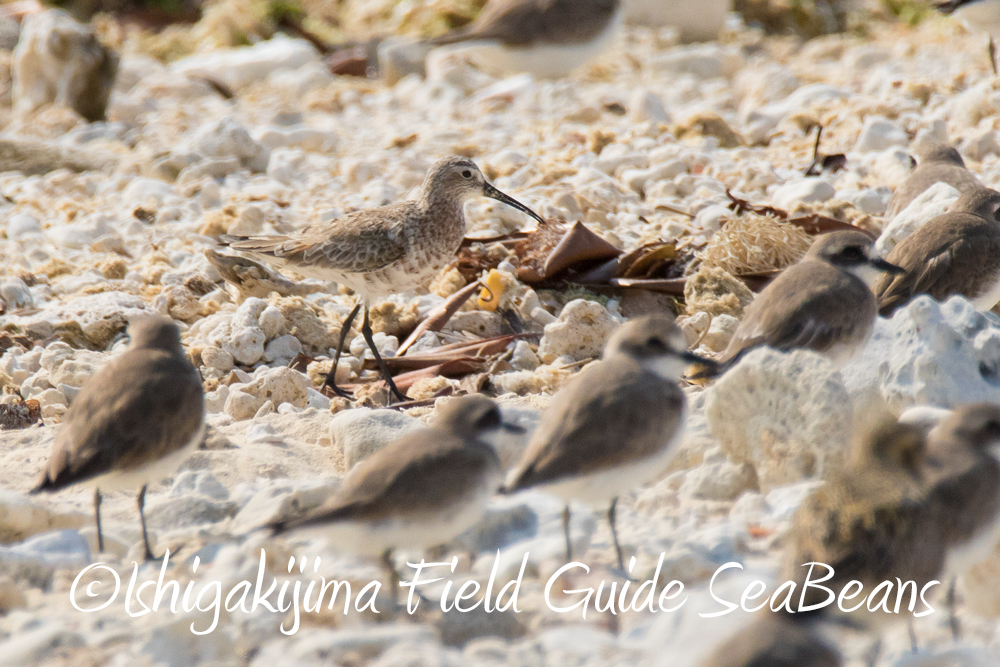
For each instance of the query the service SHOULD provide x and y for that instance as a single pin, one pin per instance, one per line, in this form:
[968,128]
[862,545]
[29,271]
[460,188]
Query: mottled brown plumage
[936,163]
[134,421]
[820,304]
[955,253]
[381,251]
[385,250]
[524,22]
[252,279]
[775,641]
[871,521]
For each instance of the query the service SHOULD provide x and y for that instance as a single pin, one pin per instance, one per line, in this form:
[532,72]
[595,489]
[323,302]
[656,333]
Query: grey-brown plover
[548,39]
[610,429]
[869,522]
[955,253]
[133,423]
[936,163]
[775,641]
[963,469]
[823,303]
[419,491]
[382,251]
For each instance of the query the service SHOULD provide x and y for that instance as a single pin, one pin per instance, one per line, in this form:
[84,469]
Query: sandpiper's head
[657,344]
[853,252]
[898,445]
[458,178]
[933,151]
[154,332]
[977,424]
[983,202]
[474,416]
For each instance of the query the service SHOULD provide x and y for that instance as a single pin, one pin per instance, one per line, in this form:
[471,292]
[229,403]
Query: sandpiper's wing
[417,472]
[359,242]
[926,175]
[803,309]
[522,22]
[953,254]
[612,413]
[140,407]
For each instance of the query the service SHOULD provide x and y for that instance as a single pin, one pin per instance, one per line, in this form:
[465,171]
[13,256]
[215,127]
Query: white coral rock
[783,413]
[581,331]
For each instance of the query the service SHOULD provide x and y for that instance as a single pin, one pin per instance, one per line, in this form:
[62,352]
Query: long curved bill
[493,193]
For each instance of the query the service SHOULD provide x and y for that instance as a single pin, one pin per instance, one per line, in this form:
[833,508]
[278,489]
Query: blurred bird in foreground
[133,423]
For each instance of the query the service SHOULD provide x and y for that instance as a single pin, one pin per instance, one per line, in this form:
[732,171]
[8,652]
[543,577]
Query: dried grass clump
[753,243]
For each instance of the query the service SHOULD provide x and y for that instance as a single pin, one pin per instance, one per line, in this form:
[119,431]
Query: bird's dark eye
[854,253]
[656,344]
[491,419]
[467,173]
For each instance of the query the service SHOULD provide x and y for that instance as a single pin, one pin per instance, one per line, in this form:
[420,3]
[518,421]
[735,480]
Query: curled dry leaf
[439,317]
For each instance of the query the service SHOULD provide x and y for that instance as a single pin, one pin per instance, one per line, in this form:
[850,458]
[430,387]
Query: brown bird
[612,427]
[963,469]
[419,491]
[936,163]
[386,250]
[870,522]
[548,38]
[955,253]
[133,423]
[775,641]
[823,303]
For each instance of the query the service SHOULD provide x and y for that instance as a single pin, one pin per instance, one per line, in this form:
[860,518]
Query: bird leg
[141,502]
[874,652]
[993,55]
[331,377]
[956,629]
[366,331]
[913,634]
[97,519]
[569,543]
[612,515]
[390,567]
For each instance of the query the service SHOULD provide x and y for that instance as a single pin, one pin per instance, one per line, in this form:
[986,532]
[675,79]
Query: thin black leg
[366,331]
[614,533]
[141,502]
[569,542]
[913,635]
[390,567]
[874,652]
[993,55]
[956,629]
[97,519]
[331,377]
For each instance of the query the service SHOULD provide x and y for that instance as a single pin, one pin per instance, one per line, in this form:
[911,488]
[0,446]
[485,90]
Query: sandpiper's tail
[261,245]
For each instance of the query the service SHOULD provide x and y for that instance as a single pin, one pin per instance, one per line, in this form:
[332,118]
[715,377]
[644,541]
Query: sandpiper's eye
[467,173]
